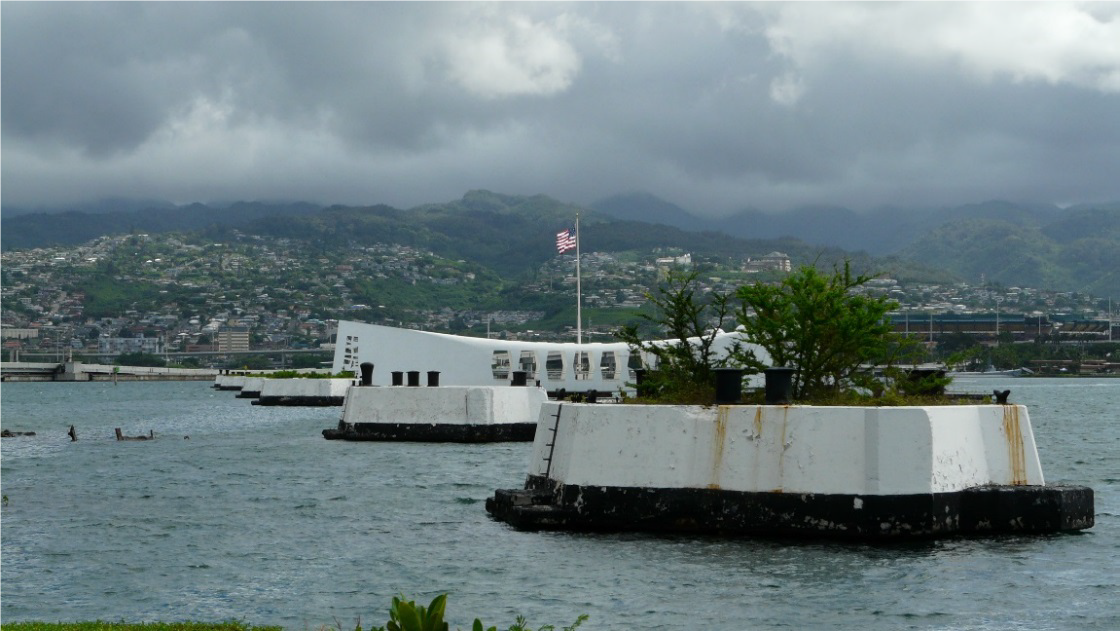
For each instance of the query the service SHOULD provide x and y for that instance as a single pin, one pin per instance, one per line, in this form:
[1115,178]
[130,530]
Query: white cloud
[714,106]
[1056,43]
[787,89]
[505,54]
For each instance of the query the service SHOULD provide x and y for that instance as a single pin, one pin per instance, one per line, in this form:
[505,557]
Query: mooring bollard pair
[729,385]
[779,385]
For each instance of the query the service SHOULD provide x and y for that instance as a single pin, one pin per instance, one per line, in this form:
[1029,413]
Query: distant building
[775,261]
[201,348]
[684,259]
[981,325]
[232,339]
[117,345]
[12,346]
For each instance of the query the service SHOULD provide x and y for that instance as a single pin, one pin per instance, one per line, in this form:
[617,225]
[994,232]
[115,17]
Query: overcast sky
[715,107]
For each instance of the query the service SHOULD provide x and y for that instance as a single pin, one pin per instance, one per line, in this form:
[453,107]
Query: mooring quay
[872,473]
[79,371]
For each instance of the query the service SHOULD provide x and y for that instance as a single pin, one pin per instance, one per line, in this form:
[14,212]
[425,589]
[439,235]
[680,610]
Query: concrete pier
[251,388]
[847,472]
[439,414]
[80,371]
[304,392]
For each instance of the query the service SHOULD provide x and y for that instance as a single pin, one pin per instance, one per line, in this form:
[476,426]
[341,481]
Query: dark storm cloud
[715,107]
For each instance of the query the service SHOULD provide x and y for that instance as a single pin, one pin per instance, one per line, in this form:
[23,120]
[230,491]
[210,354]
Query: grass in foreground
[404,615]
[99,625]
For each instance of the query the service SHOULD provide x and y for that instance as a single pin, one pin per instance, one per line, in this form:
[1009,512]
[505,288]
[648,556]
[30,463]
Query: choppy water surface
[255,516]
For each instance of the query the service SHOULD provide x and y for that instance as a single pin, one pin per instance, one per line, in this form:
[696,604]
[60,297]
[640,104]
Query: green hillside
[1076,249]
[1078,252]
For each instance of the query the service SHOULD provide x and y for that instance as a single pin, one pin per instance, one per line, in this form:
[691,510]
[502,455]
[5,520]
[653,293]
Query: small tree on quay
[684,363]
[818,324]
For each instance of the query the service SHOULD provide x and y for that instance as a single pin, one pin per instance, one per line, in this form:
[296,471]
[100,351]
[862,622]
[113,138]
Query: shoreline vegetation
[404,615]
[99,625]
[295,374]
[234,625]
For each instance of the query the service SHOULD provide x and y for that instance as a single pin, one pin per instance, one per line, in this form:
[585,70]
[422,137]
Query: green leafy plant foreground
[406,615]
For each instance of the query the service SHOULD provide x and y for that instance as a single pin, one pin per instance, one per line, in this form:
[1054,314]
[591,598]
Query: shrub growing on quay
[683,370]
[817,323]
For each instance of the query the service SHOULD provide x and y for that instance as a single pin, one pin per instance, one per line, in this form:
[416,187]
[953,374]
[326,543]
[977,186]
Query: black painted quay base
[433,432]
[989,510]
[295,401]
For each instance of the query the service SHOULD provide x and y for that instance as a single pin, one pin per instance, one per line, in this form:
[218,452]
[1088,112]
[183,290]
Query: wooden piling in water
[151,435]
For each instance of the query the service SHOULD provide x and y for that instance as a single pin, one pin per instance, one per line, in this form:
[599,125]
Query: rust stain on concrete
[781,447]
[719,440]
[1014,433]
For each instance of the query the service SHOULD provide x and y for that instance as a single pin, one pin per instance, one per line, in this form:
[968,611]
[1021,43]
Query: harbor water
[244,512]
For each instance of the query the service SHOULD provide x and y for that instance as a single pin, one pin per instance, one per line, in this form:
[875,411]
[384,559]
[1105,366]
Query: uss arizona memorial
[471,361]
[862,472]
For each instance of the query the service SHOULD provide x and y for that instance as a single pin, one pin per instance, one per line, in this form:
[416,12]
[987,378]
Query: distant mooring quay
[80,372]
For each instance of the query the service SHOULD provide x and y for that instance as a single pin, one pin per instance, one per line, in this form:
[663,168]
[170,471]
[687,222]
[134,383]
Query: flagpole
[579,291]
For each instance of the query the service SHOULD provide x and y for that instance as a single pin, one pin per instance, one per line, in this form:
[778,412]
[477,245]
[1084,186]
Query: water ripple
[257,517]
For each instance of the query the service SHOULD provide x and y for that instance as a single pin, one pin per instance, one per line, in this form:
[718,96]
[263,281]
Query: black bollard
[414,378]
[520,378]
[398,378]
[779,385]
[433,378]
[367,373]
[639,381]
[1001,396]
[729,385]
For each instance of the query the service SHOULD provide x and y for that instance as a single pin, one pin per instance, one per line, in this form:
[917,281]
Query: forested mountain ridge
[513,235]
[1074,249]
[1036,245]
[71,227]
[504,232]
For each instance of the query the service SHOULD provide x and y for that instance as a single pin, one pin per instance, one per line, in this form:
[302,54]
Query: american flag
[565,241]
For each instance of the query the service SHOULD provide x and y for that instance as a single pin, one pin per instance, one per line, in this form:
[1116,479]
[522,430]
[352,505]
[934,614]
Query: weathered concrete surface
[978,511]
[450,413]
[788,449]
[304,392]
[230,382]
[251,388]
[433,432]
[865,473]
